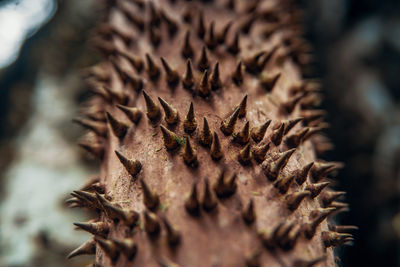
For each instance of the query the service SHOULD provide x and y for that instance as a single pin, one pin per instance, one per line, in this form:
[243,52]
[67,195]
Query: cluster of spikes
[180,76]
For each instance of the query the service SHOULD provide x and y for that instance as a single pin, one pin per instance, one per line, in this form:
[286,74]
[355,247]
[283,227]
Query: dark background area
[357,57]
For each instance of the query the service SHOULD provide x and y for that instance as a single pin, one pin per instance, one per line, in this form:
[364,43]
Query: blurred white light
[18,21]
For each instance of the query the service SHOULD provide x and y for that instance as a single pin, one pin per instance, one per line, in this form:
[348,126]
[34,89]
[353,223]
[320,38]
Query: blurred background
[44,45]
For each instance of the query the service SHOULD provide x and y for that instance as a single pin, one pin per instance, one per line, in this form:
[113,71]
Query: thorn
[301,175]
[339,206]
[249,215]
[211,41]
[252,63]
[192,204]
[292,237]
[225,188]
[155,19]
[234,48]
[150,198]
[288,107]
[322,169]
[98,228]
[136,62]
[247,25]
[89,198]
[311,227]
[258,132]
[97,150]
[151,224]
[316,188]
[119,128]
[259,152]
[152,70]
[284,183]
[237,76]
[273,169]
[216,150]
[329,196]
[97,127]
[201,28]
[134,114]
[170,138]
[277,135]
[171,24]
[187,15]
[296,139]
[190,154]
[87,248]
[266,59]
[114,212]
[206,135]
[173,236]
[172,76]
[188,79]
[136,20]
[171,115]
[343,228]
[134,80]
[243,136]
[153,111]
[209,203]
[228,125]
[190,122]
[127,246]
[293,200]
[222,36]
[187,50]
[203,64]
[204,88]
[215,80]
[309,263]
[291,123]
[243,107]
[133,167]
[109,248]
[155,36]
[245,155]
[332,239]
[268,83]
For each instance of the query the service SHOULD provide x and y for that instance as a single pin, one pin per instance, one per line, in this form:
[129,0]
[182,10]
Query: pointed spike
[201,28]
[155,36]
[222,36]
[273,169]
[252,63]
[234,48]
[134,80]
[188,78]
[245,155]
[269,82]
[171,114]
[291,123]
[243,107]
[291,238]
[237,76]
[98,228]
[339,206]
[151,224]
[211,40]
[293,200]
[284,183]
[228,125]
[173,236]
[170,138]
[133,113]
[243,136]
[190,122]
[204,63]
[277,135]
[87,248]
[225,188]
[209,202]
[97,127]
[152,69]
[309,263]
[119,128]
[266,58]
[206,135]
[296,139]
[153,111]
[343,228]
[281,232]
[329,196]
[190,154]
[87,197]
[136,20]
[258,132]
[259,152]
[136,62]
[187,49]
[172,76]
[192,204]
[316,188]
[155,18]
[187,15]
[133,167]
[204,89]
[301,175]
[215,80]
[247,25]
[216,149]
[288,107]
[114,212]
[317,217]
[150,198]
[127,246]
[95,149]
[171,24]
[322,169]
[333,239]
[249,215]
[109,248]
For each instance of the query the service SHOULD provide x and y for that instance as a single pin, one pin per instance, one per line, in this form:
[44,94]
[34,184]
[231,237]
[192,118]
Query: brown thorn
[171,24]
[206,135]
[109,248]
[328,197]
[152,70]
[170,138]
[97,127]
[97,150]
[201,28]
[293,200]
[204,63]
[133,167]
[216,150]
[259,152]
[237,76]
[273,169]
[133,113]
[173,236]
[211,40]
[343,228]
[243,136]
[187,50]
[97,228]
[150,198]
[291,123]
[188,78]
[190,154]
[333,239]
[190,122]
[87,248]
[249,215]
[277,135]
[192,203]
[118,128]
[153,111]
[228,125]
[172,76]
[301,175]
[316,188]
[127,246]
[258,132]
[151,224]
[284,183]
[209,202]
[155,36]
[243,107]
[215,79]
[245,155]
[297,138]
[222,36]
[234,48]
[171,114]
[204,89]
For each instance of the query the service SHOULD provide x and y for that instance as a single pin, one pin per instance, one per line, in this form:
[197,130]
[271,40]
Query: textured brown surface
[219,237]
